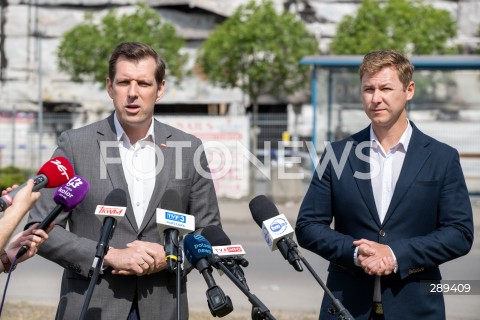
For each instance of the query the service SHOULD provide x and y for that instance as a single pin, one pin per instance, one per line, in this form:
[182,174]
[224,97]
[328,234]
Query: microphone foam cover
[116,198]
[196,247]
[262,209]
[58,171]
[71,193]
[216,236]
[171,201]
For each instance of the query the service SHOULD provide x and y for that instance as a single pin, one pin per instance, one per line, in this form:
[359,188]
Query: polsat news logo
[110,211]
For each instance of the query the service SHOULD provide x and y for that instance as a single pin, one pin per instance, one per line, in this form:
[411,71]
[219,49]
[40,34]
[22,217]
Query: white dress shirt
[138,162]
[383,184]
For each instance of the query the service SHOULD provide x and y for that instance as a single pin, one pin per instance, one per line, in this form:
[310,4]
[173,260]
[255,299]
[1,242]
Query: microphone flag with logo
[112,211]
[276,229]
[173,224]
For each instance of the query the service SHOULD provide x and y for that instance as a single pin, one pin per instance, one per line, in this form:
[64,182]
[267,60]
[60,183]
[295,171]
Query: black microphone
[197,249]
[226,259]
[230,255]
[173,224]
[276,229]
[112,211]
[67,197]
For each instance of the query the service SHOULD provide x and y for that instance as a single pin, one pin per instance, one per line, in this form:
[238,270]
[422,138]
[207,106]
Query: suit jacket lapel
[162,134]
[107,137]
[415,159]
[362,166]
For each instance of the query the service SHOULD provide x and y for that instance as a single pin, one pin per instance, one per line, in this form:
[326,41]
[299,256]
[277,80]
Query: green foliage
[12,175]
[84,50]
[405,25]
[258,51]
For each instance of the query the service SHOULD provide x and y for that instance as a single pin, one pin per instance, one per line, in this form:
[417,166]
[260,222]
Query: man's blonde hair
[375,61]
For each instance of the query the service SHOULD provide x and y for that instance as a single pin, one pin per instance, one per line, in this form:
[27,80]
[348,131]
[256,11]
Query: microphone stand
[178,275]
[96,266]
[174,264]
[259,311]
[337,306]
[233,264]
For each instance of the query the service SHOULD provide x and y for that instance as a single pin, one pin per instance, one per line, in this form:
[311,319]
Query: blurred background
[265,84]
[247,76]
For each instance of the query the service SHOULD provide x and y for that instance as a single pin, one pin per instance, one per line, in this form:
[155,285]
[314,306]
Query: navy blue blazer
[429,222]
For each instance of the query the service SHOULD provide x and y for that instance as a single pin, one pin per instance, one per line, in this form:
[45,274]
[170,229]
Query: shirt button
[382,233]
[138,203]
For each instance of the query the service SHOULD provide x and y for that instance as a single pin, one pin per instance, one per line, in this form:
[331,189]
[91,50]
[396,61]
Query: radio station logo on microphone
[175,217]
[66,191]
[61,168]
[278,226]
[75,182]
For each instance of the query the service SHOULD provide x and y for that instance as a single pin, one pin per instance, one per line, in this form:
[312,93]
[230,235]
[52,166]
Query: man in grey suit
[131,151]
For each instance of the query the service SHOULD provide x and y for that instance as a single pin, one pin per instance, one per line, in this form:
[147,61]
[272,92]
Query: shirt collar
[122,136]
[403,141]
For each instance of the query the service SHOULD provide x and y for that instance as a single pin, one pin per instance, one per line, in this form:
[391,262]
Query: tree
[258,50]
[12,175]
[84,51]
[405,25]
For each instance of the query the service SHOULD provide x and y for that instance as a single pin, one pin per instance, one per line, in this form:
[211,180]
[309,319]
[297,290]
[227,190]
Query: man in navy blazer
[398,202]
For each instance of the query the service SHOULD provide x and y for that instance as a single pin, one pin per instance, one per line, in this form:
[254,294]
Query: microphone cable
[12,267]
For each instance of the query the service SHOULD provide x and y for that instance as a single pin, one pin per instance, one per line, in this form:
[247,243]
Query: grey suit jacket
[94,156]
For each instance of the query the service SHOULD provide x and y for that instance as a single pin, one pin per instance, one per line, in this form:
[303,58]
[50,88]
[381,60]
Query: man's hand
[138,258]
[375,258]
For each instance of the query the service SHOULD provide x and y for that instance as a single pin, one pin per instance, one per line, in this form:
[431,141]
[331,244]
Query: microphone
[197,250]
[112,211]
[55,172]
[226,259]
[277,232]
[221,244]
[173,224]
[230,255]
[67,197]
[276,229]
[109,213]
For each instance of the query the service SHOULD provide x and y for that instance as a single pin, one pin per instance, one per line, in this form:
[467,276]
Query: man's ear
[410,90]
[108,84]
[161,90]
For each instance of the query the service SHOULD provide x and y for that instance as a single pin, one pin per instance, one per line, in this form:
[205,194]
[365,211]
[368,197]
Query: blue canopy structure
[426,62]
[421,62]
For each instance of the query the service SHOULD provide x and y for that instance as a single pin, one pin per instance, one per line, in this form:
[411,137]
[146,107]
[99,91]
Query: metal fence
[446,106]
[20,141]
